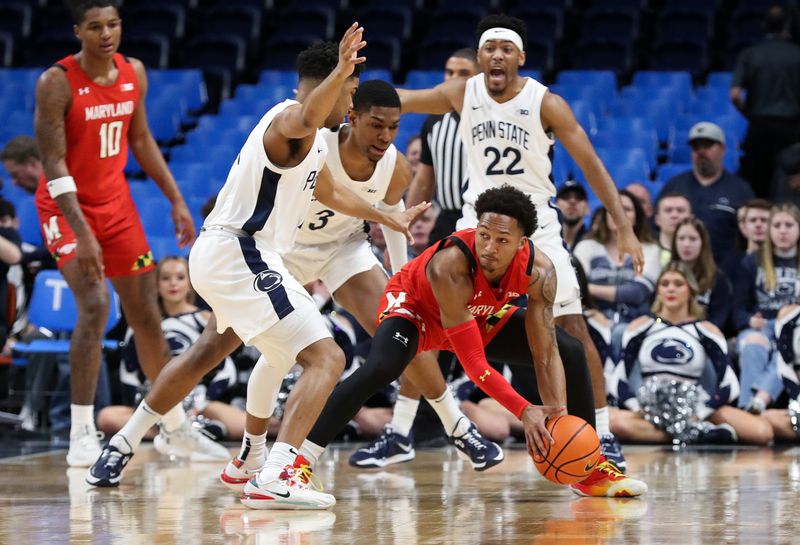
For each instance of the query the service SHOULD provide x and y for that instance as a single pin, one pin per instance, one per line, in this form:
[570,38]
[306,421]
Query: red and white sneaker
[606,481]
[295,488]
[235,475]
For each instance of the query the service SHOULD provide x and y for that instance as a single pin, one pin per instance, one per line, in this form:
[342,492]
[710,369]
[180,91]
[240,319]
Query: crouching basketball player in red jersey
[455,297]
[89,109]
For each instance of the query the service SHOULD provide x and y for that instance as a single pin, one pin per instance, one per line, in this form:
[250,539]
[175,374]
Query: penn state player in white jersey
[236,267]
[676,343]
[786,422]
[508,124]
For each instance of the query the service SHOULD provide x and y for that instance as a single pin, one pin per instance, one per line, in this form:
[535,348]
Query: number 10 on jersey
[110,136]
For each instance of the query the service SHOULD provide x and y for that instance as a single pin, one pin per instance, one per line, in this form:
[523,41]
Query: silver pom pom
[286,388]
[671,405]
[794,415]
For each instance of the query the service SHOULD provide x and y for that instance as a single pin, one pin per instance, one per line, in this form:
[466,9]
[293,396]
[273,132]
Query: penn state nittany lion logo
[672,351]
[267,281]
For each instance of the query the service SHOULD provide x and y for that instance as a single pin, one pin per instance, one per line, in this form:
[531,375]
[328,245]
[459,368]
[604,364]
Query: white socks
[311,452]
[254,450]
[174,418]
[81,415]
[601,421]
[281,455]
[130,436]
[405,410]
[448,412]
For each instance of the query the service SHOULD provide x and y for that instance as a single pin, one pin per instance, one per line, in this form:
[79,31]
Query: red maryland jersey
[96,129]
[409,293]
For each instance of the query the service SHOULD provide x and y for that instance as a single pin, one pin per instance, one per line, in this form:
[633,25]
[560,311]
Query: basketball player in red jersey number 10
[89,109]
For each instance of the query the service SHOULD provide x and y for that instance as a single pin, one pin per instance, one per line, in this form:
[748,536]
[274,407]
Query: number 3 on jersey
[496,154]
[110,135]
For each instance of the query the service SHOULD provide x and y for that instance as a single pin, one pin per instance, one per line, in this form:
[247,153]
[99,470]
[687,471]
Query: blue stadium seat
[263,92]
[189,81]
[29,229]
[585,115]
[455,22]
[533,74]
[6,49]
[53,307]
[540,55]
[235,19]
[720,79]
[387,21]
[674,54]
[603,54]
[219,123]
[669,84]
[164,122]
[142,191]
[545,22]
[668,170]
[216,51]
[156,216]
[436,50]
[617,158]
[578,93]
[383,52]
[281,51]
[278,77]
[619,25]
[643,138]
[685,24]
[306,20]
[380,74]
[424,79]
[46,50]
[15,19]
[151,49]
[166,20]
[620,4]
[166,246]
[132,166]
[484,5]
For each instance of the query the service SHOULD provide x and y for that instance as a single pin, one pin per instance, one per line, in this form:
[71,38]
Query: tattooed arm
[53,100]
[541,330]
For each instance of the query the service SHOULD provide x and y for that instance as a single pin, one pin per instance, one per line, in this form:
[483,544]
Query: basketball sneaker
[612,450]
[707,433]
[107,470]
[475,448]
[295,488]
[189,442]
[84,446]
[389,448]
[607,481]
[235,475]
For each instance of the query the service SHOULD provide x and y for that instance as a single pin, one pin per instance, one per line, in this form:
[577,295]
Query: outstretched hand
[349,47]
[400,221]
[534,420]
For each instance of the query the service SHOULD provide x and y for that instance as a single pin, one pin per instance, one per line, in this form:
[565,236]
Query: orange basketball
[573,455]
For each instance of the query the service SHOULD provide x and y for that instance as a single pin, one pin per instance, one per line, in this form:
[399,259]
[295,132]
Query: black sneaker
[480,452]
[389,448]
[107,470]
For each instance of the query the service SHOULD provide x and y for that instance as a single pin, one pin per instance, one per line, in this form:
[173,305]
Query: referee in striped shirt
[441,174]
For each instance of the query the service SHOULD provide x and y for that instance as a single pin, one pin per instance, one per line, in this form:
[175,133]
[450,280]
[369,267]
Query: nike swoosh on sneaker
[286,495]
[405,448]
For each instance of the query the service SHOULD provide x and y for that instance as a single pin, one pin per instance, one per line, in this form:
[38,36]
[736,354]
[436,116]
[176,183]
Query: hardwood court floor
[697,497]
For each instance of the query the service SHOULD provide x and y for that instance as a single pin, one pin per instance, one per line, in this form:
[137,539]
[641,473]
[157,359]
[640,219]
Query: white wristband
[59,186]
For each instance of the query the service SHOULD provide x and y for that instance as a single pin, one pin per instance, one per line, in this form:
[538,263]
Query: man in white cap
[714,192]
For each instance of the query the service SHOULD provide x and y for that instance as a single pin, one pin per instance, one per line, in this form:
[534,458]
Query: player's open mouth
[496,74]
[107,47]
[378,151]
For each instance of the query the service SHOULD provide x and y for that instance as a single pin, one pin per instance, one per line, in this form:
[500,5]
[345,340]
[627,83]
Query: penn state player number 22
[497,156]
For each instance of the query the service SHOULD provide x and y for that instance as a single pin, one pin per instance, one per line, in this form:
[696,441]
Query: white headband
[500,33]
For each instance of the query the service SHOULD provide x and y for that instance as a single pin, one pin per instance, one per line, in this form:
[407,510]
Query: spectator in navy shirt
[715,193]
[767,282]
[572,200]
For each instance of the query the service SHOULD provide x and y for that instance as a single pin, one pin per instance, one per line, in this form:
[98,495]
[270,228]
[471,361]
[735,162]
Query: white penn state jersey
[263,200]
[506,143]
[323,225]
[787,334]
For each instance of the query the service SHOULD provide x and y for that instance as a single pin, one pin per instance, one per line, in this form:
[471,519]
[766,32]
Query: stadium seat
[29,229]
[673,54]
[424,79]
[281,52]
[685,25]
[237,20]
[278,77]
[151,49]
[383,52]
[166,246]
[619,25]
[306,20]
[387,21]
[216,51]
[6,49]
[720,79]
[544,22]
[539,55]
[380,74]
[53,307]
[15,19]
[435,51]
[165,20]
[455,22]
[46,50]
[668,170]
[600,54]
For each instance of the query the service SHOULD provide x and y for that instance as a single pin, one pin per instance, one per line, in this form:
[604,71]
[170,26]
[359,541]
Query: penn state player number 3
[497,155]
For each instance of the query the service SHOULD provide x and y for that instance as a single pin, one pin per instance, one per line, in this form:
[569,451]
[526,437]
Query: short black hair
[375,92]
[468,53]
[78,8]
[319,59]
[509,201]
[503,21]
[776,20]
